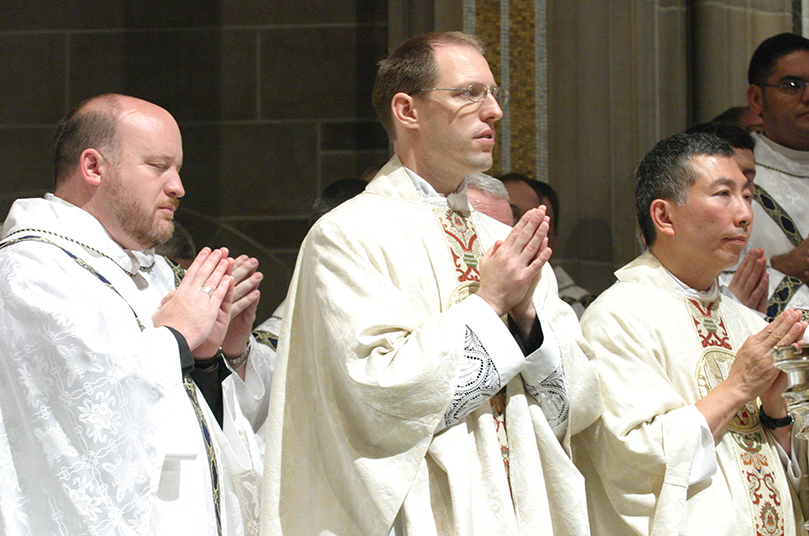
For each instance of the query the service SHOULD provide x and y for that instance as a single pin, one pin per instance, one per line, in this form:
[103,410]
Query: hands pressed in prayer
[794,263]
[245,303]
[200,307]
[511,269]
[751,282]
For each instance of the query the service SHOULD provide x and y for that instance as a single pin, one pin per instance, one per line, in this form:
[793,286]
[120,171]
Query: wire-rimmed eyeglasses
[790,86]
[474,92]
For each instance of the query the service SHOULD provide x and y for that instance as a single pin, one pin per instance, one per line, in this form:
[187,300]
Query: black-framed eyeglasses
[474,92]
[790,86]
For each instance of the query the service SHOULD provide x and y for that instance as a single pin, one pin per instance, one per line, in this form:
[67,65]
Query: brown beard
[135,221]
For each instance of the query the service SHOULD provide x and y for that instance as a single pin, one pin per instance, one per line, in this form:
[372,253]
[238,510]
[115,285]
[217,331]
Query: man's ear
[755,98]
[661,212]
[404,110]
[92,166]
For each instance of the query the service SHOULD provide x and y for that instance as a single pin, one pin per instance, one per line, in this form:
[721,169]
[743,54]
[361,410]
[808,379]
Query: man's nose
[174,187]
[491,107]
[745,215]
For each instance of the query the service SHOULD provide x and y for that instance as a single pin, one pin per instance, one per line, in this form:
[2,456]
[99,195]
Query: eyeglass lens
[794,85]
[477,92]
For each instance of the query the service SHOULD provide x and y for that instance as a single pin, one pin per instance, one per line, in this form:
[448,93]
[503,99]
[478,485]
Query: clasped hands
[215,304]
[751,282]
[511,269]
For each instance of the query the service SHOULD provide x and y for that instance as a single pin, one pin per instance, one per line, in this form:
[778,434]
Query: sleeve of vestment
[544,378]
[562,372]
[388,353]
[253,393]
[646,441]
[491,358]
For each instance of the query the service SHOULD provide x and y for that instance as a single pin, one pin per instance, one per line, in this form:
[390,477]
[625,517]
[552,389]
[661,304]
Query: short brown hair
[412,66]
[91,124]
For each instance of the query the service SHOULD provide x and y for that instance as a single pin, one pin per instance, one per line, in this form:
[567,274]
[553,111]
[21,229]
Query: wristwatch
[771,424]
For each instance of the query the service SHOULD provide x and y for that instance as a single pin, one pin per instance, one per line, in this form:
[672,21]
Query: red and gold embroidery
[462,239]
[762,486]
[711,330]
[465,251]
[748,437]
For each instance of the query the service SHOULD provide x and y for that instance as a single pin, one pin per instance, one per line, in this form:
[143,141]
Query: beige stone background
[615,77]
[273,99]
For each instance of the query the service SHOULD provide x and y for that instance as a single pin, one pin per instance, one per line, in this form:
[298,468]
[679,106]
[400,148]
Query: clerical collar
[145,259]
[457,200]
[801,157]
[687,292]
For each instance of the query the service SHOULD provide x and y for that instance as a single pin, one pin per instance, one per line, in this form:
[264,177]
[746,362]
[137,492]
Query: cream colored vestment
[369,352]
[658,353]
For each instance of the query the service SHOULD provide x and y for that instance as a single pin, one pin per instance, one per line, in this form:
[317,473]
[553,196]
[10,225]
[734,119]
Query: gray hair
[487,184]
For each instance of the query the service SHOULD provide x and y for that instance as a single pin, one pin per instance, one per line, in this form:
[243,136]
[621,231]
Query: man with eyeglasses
[778,76]
[429,377]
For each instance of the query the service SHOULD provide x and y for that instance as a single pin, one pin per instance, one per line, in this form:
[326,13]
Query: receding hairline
[120,105]
[107,101]
[450,39]
[436,39]
[93,123]
[412,66]
[440,45]
[98,123]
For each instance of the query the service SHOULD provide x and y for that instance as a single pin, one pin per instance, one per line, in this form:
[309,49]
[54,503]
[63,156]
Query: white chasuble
[375,348]
[780,216]
[98,433]
[784,175]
